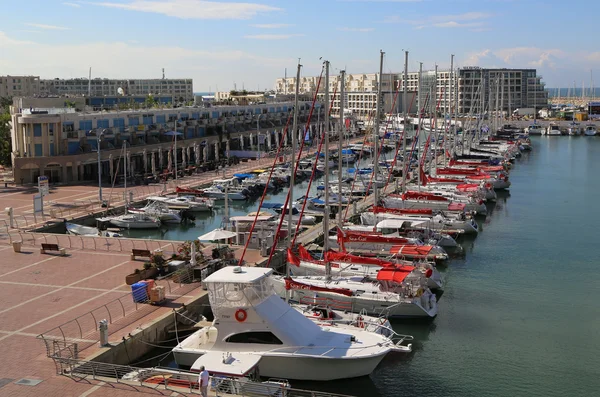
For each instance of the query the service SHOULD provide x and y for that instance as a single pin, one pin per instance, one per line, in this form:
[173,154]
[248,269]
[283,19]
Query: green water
[519,315]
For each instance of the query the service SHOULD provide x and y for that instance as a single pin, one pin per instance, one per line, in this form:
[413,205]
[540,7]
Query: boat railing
[183,383]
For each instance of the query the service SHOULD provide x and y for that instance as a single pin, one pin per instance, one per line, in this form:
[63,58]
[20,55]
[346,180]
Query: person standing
[203,381]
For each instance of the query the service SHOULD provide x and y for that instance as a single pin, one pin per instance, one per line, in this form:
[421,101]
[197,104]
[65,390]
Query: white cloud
[272,36]
[76,5]
[469,20]
[356,29]
[206,66]
[193,9]
[468,16]
[454,24]
[271,25]
[47,27]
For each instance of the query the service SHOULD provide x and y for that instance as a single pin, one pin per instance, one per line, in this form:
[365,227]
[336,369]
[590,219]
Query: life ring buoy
[241,315]
[428,273]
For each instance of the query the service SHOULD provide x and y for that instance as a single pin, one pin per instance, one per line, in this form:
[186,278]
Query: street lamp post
[99,140]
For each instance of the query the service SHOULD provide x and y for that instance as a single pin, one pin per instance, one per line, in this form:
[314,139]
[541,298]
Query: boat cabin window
[262,338]
[236,295]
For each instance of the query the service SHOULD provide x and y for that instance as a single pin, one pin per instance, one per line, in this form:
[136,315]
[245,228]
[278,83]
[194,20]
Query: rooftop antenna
[163,70]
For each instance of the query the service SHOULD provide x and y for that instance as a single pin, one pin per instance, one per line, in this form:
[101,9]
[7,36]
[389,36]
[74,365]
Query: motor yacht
[251,319]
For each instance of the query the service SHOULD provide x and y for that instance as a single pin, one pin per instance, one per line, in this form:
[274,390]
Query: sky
[224,45]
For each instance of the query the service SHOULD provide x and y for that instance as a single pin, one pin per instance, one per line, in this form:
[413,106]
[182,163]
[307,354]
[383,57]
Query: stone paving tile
[42,307]
[67,270]
[11,261]
[87,321]
[112,279]
[52,387]
[11,294]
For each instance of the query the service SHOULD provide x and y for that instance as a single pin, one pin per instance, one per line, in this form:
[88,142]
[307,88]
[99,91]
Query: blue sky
[219,43]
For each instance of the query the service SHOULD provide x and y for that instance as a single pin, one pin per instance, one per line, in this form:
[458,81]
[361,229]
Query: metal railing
[82,332]
[183,383]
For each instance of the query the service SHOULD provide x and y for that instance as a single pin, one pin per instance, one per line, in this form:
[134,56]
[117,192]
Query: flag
[304,254]
[291,258]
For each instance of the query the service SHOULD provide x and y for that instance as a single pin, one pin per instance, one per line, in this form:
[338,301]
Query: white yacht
[438,221]
[160,210]
[234,192]
[251,319]
[590,130]
[190,203]
[553,130]
[80,230]
[535,129]
[427,200]
[380,296]
[133,221]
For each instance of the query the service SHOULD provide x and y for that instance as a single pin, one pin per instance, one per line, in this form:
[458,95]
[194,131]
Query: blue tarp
[272,205]
[317,201]
[243,176]
[347,151]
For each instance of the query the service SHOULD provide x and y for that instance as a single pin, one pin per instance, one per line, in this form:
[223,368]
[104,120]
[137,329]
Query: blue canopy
[243,176]
[173,133]
[272,205]
[347,151]
[317,201]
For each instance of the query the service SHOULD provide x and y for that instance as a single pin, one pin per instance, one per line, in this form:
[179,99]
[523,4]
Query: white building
[11,86]
[180,89]
[473,89]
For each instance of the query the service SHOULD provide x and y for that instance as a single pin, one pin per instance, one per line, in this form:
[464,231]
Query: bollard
[103,329]
[10,213]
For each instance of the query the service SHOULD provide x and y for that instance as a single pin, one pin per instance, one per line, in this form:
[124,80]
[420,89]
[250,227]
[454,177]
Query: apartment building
[11,86]
[466,90]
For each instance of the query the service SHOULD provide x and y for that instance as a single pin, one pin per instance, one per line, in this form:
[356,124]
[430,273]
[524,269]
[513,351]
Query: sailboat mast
[450,92]
[435,126]
[340,142]
[326,181]
[293,156]
[405,106]
[175,151]
[376,129]
[418,135]
[125,173]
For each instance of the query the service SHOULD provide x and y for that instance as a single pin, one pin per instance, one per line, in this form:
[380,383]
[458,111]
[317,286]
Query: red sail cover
[304,254]
[468,187]
[333,256]
[293,259]
[188,191]
[411,195]
[402,211]
[351,236]
[292,284]
[417,251]
[444,180]
[457,171]
[462,162]
[456,207]
[396,275]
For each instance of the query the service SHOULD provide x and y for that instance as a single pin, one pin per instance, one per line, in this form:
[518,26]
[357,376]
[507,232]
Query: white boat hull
[274,365]
[135,224]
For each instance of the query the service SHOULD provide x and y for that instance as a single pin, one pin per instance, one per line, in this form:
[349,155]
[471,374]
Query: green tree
[5,140]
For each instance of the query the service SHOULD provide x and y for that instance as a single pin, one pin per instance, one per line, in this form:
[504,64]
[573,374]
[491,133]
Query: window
[85,125]
[51,129]
[37,129]
[51,149]
[102,123]
[262,338]
[38,150]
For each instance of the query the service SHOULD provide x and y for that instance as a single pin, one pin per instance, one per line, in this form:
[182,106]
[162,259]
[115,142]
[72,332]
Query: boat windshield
[238,295]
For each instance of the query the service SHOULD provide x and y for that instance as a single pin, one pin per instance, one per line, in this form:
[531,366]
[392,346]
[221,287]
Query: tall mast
[419,120]
[125,173]
[341,139]
[293,156]
[326,181]
[405,106]
[435,126]
[450,93]
[376,129]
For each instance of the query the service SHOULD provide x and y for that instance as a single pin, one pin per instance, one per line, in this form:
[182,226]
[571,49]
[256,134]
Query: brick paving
[39,292]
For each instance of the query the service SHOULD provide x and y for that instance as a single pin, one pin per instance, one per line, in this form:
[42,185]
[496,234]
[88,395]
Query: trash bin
[17,246]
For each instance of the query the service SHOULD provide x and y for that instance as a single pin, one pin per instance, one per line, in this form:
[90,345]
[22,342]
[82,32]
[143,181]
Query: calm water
[519,316]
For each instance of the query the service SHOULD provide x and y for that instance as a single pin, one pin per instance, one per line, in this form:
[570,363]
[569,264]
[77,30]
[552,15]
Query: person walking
[203,381]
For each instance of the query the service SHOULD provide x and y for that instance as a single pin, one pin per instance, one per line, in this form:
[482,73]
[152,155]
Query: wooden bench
[137,252]
[52,247]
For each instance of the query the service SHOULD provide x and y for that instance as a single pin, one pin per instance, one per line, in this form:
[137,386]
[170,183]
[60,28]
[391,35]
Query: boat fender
[361,322]
[428,273]
[241,315]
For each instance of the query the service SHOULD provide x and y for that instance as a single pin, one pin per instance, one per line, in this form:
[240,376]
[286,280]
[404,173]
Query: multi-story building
[62,143]
[11,86]
[467,90]
[180,89]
